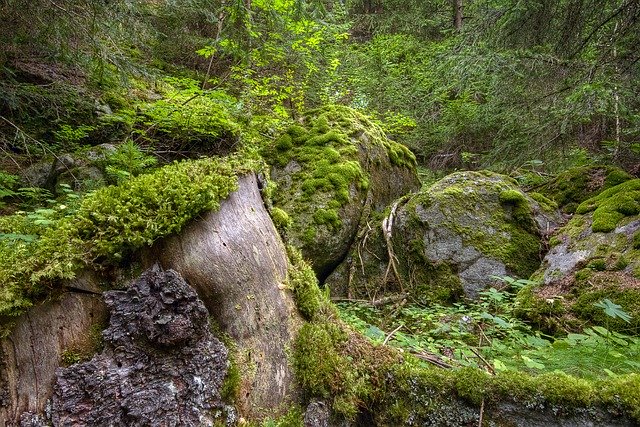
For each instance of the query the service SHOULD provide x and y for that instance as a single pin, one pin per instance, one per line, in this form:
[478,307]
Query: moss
[521,208]
[622,393]
[230,389]
[328,151]
[355,375]
[575,308]
[576,185]
[281,219]
[540,312]
[487,212]
[293,418]
[612,205]
[629,299]
[327,217]
[636,240]
[547,204]
[597,264]
[109,223]
[304,284]
[319,367]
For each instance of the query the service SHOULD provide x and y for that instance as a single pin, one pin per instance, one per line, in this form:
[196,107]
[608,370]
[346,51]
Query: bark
[30,355]
[235,260]
[457,15]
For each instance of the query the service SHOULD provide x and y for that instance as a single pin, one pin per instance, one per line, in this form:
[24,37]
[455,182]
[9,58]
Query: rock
[331,170]
[37,344]
[449,239]
[37,175]
[317,414]
[161,365]
[81,173]
[236,261]
[595,256]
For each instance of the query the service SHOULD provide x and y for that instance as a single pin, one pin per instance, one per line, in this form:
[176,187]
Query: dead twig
[492,371]
[374,302]
[387,230]
[431,358]
[386,340]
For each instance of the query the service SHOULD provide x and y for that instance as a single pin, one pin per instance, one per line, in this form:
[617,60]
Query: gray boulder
[595,256]
[449,240]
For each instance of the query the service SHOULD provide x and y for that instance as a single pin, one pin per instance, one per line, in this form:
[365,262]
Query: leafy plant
[7,185]
[127,161]
[485,334]
[613,310]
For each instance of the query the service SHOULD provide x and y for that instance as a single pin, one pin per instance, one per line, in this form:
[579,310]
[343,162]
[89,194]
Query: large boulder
[235,260]
[331,170]
[596,256]
[449,240]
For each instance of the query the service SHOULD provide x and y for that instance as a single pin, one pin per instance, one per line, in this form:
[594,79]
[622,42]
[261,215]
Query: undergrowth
[487,335]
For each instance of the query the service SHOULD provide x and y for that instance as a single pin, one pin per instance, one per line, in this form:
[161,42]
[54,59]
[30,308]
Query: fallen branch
[431,358]
[386,340]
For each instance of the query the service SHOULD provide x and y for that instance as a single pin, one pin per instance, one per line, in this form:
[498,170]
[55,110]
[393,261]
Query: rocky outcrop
[596,256]
[448,240]
[160,365]
[235,260]
[39,342]
[331,171]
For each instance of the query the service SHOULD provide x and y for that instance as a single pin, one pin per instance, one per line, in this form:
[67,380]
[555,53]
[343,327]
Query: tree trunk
[457,15]
[235,260]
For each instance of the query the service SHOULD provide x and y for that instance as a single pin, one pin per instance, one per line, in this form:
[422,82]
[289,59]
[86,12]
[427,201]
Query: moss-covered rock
[330,169]
[449,239]
[576,185]
[594,257]
[467,227]
[38,252]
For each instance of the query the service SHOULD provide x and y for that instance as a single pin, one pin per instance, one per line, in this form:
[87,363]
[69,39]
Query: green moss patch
[570,304]
[302,280]
[612,205]
[576,185]
[325,146]
[107,225]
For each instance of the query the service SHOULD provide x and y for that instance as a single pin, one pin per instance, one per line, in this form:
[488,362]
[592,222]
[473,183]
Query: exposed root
[387,231]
